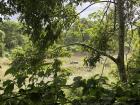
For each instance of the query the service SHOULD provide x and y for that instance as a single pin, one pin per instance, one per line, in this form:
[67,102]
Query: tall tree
[122,17]
[121,37]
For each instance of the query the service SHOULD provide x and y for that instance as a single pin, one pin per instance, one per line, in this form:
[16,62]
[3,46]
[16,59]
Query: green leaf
[21,80]
[9,88]
[41,74]
[7,82]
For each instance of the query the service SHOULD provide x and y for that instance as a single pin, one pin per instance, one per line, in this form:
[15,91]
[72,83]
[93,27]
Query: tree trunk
[121,37]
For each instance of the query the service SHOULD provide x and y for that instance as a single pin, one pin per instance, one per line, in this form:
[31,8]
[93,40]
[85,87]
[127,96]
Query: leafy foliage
[13,34]
[39,80]
[35,80]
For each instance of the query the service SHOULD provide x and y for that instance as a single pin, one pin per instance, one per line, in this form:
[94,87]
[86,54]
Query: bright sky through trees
[90,10]
[79,8]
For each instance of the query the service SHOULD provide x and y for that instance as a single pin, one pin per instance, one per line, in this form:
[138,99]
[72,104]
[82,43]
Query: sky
[90,10]
[79,8]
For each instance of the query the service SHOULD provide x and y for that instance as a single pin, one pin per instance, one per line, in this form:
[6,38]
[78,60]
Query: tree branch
[105,11]
[96,50]
[93,4]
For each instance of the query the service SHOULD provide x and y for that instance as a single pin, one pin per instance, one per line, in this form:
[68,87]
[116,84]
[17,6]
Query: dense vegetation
[48,30]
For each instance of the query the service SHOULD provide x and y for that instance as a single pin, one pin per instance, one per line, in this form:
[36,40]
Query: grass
[77,69]
[4,65]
